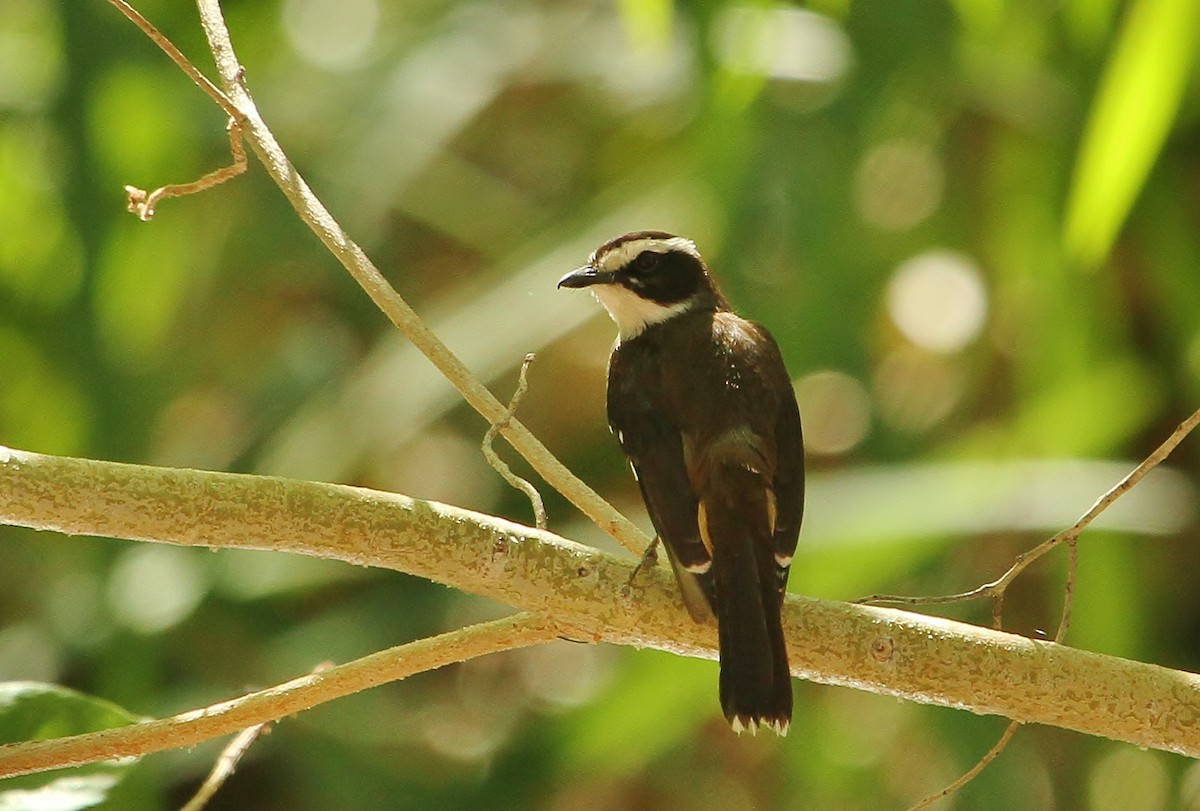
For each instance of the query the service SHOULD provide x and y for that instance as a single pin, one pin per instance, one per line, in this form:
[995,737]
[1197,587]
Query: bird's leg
[649,558]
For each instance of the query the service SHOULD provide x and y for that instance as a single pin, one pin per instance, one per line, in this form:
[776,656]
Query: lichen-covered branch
[882,650]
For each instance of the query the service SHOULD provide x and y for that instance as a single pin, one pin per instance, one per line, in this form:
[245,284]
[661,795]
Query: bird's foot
[649,559]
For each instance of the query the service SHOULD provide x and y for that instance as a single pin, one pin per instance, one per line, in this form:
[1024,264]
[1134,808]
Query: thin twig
[998,608]
[498,464]
[973,772]
[1068,535]
[142,203]
[179,59]
[231,755]
[226,763]
[195,726]
[1064,623]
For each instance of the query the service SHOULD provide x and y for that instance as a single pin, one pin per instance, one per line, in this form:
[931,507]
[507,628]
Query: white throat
[631,312]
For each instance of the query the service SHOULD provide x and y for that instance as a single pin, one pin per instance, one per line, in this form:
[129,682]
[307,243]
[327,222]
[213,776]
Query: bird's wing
[787,481]
[789,478]
[654,448]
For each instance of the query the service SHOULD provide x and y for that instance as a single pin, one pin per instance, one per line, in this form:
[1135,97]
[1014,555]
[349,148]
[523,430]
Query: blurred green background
[973,225]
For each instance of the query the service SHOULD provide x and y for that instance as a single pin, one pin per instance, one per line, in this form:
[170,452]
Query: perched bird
[703,408]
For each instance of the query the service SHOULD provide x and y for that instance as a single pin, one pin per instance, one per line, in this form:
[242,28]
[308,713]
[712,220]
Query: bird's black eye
[644,261]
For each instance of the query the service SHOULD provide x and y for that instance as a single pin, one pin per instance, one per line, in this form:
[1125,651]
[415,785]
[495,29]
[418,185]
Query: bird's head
[646,277]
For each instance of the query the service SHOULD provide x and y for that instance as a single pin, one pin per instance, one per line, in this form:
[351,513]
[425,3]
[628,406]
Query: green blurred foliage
[972,225]
[33,711]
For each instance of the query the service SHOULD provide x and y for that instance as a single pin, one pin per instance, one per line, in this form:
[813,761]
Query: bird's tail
[756,685]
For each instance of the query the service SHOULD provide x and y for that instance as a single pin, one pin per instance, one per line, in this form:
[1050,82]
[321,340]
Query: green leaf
[1138,98]
[34,711]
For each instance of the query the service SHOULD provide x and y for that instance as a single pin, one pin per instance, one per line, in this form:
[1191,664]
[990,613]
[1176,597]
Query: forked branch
[499,465]
[314,214]
[995,589]
[225,765]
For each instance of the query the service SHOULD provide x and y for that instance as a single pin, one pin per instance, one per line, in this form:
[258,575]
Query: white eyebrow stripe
[624,253]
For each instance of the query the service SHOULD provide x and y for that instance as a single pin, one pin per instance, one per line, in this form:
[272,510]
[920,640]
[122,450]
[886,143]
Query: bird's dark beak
[585,277]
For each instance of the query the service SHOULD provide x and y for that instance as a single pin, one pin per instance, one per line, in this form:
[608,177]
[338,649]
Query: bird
[703,408]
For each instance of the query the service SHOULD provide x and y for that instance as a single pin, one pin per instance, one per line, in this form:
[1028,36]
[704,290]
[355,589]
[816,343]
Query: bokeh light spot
[899,184]
[333,34]
[782,43]
[836,409]
[153,588]
[937,300]
[1128,780]
[562,674]
[915,390]
[28,654]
